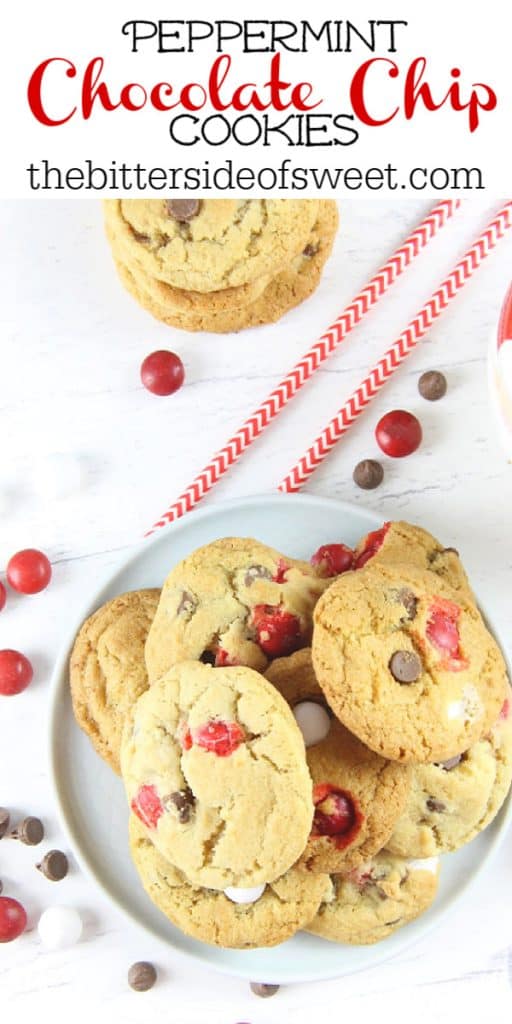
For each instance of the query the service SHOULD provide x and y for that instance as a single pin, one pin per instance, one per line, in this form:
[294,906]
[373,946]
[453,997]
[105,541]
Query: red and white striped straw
[399,350]
[310,362]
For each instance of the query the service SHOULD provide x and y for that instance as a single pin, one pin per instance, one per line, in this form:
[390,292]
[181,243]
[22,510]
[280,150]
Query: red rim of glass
[505,322]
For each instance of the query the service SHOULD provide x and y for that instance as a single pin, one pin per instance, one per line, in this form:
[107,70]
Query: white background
[71,344]
[475,39]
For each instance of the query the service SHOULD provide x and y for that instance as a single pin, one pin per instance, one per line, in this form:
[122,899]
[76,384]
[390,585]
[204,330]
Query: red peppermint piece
[278,631]
[147,806]
[371,544]
[220,738]
[333,559]
[223,659]
[280,574]
[443,632]
[336,815]
[505,711]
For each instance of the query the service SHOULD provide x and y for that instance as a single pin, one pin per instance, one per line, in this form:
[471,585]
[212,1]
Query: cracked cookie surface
[358,795]
[228,243]
[286,905]
[234,601]
[107,669]
[374,901]
[214,766]
[233,309]
[450,803]
[400,542]
[407,663]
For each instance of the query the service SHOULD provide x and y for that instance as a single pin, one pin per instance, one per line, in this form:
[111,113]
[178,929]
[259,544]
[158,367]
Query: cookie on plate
[399,542]
[407,663]
[233,602]
[262,301]
[451,802]
[243,920]
[358,796]
[214,766]
[107,672]
[207,245]
[374,901]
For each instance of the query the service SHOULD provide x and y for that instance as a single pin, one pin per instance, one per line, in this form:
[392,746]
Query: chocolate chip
[184,801]
[30,831]
[452,762]
[256,572]
[183,210]
[405,666]
[4,821]
[389,924]
[187,604]
[139,237]
[435,805]
[452,551]
[310,250]
[208,658]
[141,976]
[54,865]
[410,602]
[432,385]
[368,474]
[263,991]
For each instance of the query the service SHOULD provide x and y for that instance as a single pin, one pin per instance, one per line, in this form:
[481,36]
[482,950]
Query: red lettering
[35,91]
[358,91]
[93,89]
[186,97]
[161,88]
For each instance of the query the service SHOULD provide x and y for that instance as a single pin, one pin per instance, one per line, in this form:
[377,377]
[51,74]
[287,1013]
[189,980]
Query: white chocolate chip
[429,864]
[468,707]
[244,895]
[313,721]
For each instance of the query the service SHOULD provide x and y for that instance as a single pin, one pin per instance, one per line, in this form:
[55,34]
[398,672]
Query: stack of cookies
[220,265]
[298,749]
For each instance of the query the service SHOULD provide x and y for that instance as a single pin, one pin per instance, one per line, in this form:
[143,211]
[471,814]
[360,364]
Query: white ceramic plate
[91,798]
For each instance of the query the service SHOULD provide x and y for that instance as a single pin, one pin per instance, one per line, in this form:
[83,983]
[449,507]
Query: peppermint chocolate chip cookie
[400,542]
[358,796]
[233,602]
[214,767]
[224,243]
[107,669]
[262,301]
[451,802]
[374,901]
[407,663]
[240,920]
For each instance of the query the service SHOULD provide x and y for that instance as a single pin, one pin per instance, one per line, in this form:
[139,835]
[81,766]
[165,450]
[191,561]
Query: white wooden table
[71,342]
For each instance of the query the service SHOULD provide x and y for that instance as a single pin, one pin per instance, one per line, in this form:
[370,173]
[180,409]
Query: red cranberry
[333,559]
[16,672]
[147,806]
[371,544]
[13,919]
[29,571]
[398,433]
[278,631]
[162,372]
